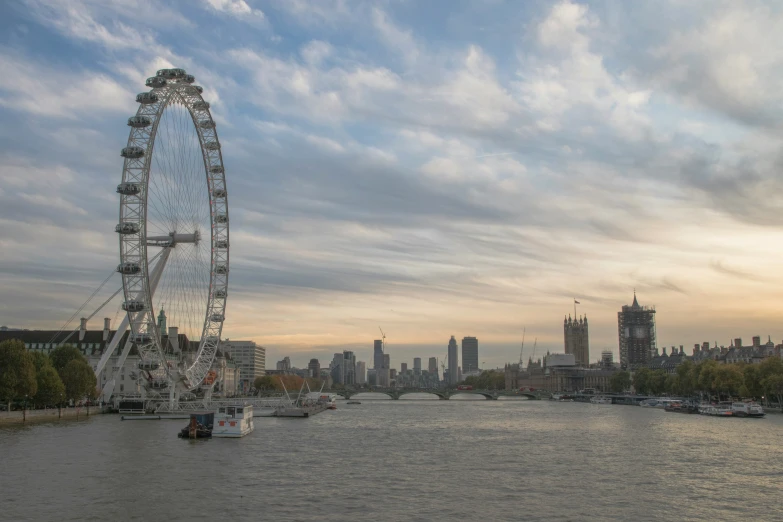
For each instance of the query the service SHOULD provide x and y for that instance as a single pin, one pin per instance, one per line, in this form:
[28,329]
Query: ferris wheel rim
[169,87]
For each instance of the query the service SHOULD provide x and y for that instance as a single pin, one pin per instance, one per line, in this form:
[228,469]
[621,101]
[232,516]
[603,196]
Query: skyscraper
[453,362]
[384,378]
[336,369]
[469,354]
[576,340]
[349,368]
[403,367]
[417,366]
[361,372]
[636,330]
[377,360]
[432,367]
[314,366]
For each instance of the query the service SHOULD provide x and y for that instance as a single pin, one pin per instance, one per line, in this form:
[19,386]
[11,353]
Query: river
[412,460]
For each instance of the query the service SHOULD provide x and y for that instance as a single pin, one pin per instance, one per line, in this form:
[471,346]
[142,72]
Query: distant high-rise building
[361,372]
[470,354]
[285,364]
[576,340]
[636,330]
[453,360]
[314,366]
[372,377]
[403,367]
[377,360]
[432,367]
[336,369]
[392,374]
[417,366]
[384,376]
[349,368]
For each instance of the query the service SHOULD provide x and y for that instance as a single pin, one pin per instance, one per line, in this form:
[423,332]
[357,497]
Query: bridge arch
[439,394]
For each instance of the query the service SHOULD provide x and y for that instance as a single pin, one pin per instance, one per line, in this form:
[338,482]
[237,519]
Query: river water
[403,460]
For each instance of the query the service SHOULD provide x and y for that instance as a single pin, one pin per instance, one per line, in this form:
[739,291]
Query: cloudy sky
[434,168]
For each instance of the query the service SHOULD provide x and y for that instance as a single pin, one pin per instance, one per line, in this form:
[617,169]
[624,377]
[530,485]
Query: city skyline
[518,155]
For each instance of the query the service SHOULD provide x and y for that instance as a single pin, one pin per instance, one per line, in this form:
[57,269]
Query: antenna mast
[523,347]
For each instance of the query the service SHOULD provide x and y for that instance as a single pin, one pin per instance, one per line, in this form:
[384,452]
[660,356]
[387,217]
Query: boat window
[222,410]
[240,410]
[230,411]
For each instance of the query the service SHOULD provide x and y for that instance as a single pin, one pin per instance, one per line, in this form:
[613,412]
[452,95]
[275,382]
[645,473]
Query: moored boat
[233,421]
[681,407]
[747,409]
[716,411]
[199,427]
[601,400]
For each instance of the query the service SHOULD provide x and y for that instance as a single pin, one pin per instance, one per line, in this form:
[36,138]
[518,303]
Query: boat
[354,402]
[681,407]
[199,427]
[601,400]
[329,399]
[657,403]
[233,421]
[716,411]
[747,409]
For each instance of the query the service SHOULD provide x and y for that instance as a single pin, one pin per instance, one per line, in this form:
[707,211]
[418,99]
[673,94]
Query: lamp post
[24,410]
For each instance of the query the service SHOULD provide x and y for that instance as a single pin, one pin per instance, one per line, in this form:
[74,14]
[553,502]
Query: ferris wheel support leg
[110,384]
[109,351]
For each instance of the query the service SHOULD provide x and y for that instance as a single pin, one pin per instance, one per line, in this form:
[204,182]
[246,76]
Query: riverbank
[51,415]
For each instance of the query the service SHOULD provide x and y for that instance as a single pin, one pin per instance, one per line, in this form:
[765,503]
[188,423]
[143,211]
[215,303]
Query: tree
[620,382]
[751,381]
[17,371]
[264,383]
[728,379]
[64,354]
[673,386]
[641,381]
[657,382]
[51,389]
[79,380]
[773,385]
[686,378]
[708,371]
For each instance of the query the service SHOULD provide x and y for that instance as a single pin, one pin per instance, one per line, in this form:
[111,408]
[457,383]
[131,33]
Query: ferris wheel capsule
[145,98]
[127,228]
[132,152]
[139,122]
[206,124]
[155,82]
[133,306]
[188,78]
[212,145]
[221,218]
[201,105]
[219,193]
[128,268]
[128,189]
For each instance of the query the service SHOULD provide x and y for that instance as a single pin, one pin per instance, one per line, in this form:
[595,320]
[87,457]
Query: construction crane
[383,340]
[523,348]
[442,368]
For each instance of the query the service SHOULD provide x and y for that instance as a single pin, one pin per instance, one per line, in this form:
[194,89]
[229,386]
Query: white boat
[233,421]
[747,409]
[601,400]
[657,403]
[716,411]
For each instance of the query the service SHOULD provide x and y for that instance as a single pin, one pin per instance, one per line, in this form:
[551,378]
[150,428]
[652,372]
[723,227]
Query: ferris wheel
[173,233]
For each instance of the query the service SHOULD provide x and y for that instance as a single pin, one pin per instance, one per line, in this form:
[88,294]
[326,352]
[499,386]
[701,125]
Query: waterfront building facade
[249,357]
[470,355]
[636,332]
[453,361]
[576,340]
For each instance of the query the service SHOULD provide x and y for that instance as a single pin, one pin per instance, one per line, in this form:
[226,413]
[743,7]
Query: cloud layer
[433,171]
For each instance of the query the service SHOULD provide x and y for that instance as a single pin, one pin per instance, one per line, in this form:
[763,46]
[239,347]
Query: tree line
[292,383]
[708,379]
[44,380]
[487,380]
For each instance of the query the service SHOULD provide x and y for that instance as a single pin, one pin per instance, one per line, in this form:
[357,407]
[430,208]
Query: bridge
[442,393]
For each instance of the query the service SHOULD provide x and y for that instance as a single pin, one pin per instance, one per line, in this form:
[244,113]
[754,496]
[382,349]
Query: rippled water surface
[403,460]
